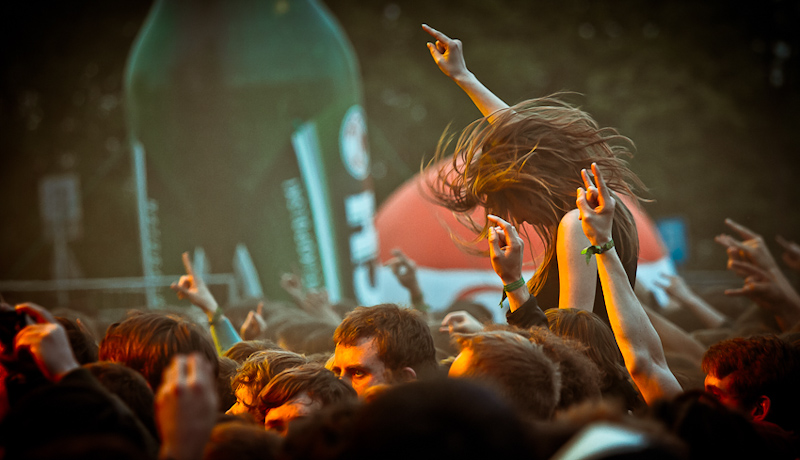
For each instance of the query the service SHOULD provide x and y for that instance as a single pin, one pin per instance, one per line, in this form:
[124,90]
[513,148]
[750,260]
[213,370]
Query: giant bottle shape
[249,114]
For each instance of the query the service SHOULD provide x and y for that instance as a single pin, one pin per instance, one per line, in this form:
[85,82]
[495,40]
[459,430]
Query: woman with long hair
[522,165]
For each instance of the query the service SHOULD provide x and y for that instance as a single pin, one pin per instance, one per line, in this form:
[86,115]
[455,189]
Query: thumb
[434,52]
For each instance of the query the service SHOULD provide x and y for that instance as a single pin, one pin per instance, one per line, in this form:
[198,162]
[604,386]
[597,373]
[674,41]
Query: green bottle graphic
[248,117]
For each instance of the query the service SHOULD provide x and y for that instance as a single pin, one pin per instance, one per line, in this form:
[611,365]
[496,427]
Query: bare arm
[675,339]
[637,339]
[449,56]
[680,291]
[577,278]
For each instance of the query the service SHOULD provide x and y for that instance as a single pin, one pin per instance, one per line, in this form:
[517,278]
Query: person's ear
[406,374]
[760,409]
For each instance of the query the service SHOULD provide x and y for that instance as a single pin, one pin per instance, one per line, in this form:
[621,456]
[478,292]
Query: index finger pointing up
[187,264]
[745,232]
[435,33]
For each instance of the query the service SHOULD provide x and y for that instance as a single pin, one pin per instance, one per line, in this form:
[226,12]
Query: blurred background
[707,90]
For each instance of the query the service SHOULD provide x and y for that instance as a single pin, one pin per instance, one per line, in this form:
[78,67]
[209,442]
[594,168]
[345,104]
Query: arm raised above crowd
[449,56]
[191,286]
[638,341]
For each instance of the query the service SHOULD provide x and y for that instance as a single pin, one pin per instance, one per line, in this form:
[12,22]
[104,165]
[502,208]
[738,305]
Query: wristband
[216,317]
[511,287]
[597,249]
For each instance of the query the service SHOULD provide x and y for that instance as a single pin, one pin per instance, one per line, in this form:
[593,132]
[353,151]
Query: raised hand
[404,269]
[254,325]
[791,252]
[186,405]
[460,322]
[46,340]
[751,249]
[596,206]
[293,285]
[191,286]
[447,53]
[505,249]
[770,290]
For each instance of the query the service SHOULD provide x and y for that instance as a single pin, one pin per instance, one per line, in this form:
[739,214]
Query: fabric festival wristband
[511,287]
[597,249]
[216,317]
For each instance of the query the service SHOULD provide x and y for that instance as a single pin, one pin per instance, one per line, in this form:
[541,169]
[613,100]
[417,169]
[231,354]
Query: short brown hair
[402,336]
[760,365]
[321,385]
[147,342]
[262,366]
[517,368]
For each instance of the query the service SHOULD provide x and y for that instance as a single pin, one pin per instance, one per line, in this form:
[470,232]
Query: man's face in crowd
[278,418]
[359,365]
[245,402]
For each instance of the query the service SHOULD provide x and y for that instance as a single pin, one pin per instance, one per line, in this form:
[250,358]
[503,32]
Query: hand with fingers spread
[46,341]
[254,325]
[770,290]
[460,322]
[751,249]
[596,206]
[185,406]
[191,286]
[791,252]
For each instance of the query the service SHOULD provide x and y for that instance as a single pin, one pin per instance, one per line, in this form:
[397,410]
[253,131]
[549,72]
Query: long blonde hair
[530,156]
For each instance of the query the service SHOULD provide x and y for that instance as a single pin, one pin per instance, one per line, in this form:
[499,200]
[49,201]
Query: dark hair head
[80,339]
[241,441]
[587,328]
[759,366]
[227,371]
[130,387]
[516,368]
[402,336]
[147,342]
[580,377]
[526,164]
[448,418]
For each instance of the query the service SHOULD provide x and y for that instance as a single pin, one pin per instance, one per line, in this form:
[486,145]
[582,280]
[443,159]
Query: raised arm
[449,56]
[191,286]
[637,339]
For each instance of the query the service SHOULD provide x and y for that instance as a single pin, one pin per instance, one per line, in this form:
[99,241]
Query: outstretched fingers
[743,231]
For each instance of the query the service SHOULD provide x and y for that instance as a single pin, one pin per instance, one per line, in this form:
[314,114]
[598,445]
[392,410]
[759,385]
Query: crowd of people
[588,366]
